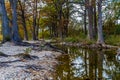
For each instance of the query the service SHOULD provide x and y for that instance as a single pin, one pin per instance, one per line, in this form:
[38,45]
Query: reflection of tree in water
[82,64]
[100,64]
[95,61]
[111,66]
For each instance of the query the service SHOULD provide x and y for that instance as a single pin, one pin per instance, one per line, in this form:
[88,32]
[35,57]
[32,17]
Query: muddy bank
[24,63]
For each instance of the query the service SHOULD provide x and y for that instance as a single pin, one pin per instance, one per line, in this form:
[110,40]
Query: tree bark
[23,19]
[34,19]
[38,25]
[100,31]
[95,20]
[90,20]
[85,14]
[5,23]
[15,31]
[60,22]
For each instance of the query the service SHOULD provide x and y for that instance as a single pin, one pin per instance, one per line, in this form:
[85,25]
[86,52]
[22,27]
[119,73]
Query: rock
[35,65]
[3,55]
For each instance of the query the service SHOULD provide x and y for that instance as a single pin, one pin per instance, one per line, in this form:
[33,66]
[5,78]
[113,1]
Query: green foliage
[117,30]
[44,34]
[1,37]
[44,22]
[27,51]
[113,40]
[25,55]
[79,37]
[75,36]
[72,39]
[109,26]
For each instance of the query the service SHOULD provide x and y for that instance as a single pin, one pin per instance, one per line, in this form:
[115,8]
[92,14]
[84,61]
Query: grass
[76,38]
[109,39]
[79,39]
[113,40]
[72,39]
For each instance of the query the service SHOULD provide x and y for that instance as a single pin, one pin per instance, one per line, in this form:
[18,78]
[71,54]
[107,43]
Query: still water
[85,64]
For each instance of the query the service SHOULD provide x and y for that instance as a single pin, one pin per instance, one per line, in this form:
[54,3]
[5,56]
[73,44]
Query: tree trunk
[25,29]
[100,65]
[100,32]
[58,6]
[60,23]
[15,31]
[5,23]
[95,19]
[90,20]
[34,19]
[91,66]
[85,14]
[67,20]
[23,20]
[38,25]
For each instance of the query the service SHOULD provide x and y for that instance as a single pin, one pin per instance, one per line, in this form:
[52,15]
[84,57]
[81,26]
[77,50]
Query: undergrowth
[113,40]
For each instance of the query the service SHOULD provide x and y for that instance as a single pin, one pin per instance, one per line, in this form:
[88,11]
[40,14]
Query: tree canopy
[36,19]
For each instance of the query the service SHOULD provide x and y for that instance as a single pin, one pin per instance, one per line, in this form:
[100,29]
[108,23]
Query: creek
[86,64]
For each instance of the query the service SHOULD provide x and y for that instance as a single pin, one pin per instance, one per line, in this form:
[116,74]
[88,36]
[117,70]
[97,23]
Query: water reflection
[83,64]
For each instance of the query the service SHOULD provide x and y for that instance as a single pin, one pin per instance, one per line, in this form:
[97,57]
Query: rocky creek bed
[20,63]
